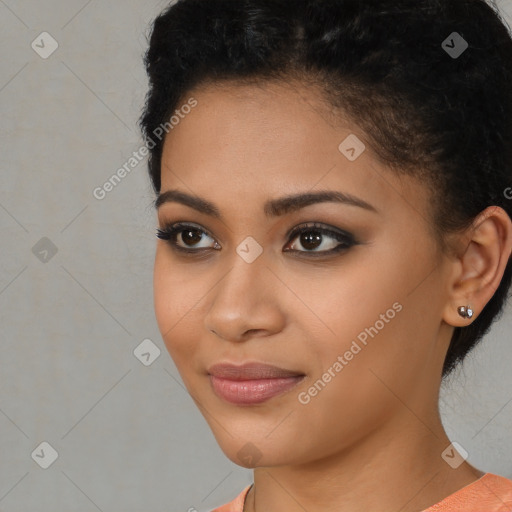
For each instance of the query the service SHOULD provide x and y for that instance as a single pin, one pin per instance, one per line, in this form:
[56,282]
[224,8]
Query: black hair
[429,82]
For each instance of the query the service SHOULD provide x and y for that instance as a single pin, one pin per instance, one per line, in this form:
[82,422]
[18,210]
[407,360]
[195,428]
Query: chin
[255,453]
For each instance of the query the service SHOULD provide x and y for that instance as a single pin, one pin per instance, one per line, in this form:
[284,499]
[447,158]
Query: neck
[385,471]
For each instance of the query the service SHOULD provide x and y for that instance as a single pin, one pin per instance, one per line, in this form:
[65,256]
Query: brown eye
[313,239]
[317,239]
[191,236]
[186,237]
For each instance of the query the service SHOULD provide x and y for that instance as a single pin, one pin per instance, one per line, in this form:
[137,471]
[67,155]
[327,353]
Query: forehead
[266,117]
[252,142]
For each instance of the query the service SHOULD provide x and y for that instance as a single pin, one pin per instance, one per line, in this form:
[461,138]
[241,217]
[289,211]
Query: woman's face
[360,327]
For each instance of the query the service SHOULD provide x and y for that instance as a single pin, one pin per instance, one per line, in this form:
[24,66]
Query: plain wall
[128,436]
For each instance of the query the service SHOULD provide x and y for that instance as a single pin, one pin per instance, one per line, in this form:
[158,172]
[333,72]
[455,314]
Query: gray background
[128,436]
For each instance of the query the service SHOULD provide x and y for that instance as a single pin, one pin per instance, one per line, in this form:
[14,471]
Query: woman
[334,209]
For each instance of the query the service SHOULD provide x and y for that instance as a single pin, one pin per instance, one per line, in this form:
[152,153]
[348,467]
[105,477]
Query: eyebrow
[272,208]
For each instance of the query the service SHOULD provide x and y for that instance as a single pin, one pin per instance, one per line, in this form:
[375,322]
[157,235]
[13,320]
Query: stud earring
[465,311]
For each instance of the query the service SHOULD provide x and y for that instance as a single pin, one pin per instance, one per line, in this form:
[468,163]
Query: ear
[479,267]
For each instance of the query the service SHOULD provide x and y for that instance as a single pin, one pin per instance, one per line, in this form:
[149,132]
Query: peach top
[490,493]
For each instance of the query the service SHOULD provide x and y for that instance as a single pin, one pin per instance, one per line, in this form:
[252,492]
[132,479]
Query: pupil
[190,236]
[307,240]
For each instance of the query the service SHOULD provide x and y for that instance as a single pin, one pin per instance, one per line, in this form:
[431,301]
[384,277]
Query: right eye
[186,234]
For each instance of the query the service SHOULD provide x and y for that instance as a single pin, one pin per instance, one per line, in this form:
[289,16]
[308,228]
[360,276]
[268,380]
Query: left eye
[313,238]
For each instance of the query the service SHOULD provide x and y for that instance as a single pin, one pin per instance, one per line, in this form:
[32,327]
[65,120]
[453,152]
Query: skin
[372,439]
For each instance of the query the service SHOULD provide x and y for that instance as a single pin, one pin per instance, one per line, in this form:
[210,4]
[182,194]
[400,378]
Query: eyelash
[170,232]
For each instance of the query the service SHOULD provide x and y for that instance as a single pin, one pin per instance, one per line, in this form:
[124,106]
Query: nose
[246,303]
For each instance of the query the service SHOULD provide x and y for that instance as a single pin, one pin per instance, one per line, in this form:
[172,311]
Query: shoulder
[237,505]
[491,492]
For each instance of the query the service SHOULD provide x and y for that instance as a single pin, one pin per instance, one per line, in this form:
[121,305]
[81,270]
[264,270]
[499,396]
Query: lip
[251,383]
[251,371]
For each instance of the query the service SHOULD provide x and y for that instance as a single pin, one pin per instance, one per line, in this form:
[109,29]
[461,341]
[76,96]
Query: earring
[465,311]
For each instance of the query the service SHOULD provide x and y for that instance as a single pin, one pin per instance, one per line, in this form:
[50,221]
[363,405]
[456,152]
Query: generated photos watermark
[305,397]
[137,156]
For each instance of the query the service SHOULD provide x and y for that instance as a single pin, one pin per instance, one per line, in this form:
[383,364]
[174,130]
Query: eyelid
[320,226]
[310,225]
[186,224]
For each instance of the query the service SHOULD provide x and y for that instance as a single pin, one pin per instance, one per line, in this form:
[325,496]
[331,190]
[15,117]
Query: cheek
[367,315]
[175,298]
[342,303]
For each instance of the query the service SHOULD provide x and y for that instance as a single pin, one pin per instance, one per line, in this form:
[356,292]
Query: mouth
[251,383]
